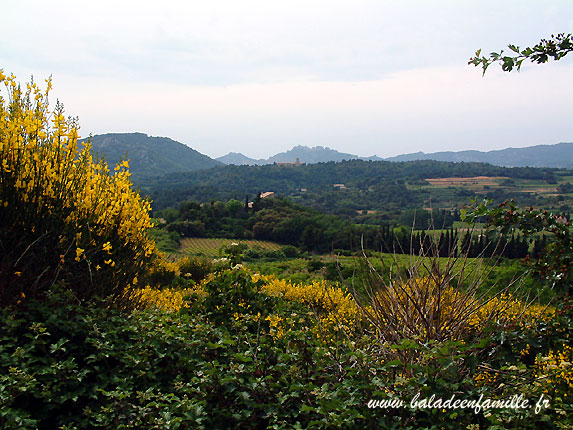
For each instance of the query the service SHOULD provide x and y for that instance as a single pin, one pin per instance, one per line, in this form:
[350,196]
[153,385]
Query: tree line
[282,221]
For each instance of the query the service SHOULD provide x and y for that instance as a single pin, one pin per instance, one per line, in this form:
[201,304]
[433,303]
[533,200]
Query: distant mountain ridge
[148,155]
[559,155]
[155,156]
[308,155]
[316,154]
[238,159]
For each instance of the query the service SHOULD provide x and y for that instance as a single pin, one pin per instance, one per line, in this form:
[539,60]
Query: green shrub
[66,366]
[166,241]
[314,265]
[290,251]
[78,367]
[195,268]
[253,253]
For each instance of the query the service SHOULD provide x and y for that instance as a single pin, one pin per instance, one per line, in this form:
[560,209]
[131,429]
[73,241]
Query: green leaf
[394,363]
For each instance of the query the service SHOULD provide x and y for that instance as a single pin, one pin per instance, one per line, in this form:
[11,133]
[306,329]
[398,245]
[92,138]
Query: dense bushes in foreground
[86,367]
[251,353]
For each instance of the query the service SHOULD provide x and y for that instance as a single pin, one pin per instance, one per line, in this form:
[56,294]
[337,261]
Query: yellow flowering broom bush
[334,307]
[64,218]
[510,311]
[428,308]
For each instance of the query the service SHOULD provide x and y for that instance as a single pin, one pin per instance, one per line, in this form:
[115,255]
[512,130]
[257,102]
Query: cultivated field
[473,182]
[211,247]
[453,192]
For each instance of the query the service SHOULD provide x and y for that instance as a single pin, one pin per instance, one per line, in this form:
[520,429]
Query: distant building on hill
[268,195]
[290,163]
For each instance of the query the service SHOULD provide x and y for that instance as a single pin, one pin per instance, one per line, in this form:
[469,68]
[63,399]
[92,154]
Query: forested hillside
[366,191]
[149,155]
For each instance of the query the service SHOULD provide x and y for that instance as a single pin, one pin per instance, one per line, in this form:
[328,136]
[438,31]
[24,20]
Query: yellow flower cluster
[485,378]
[166,299]
[510,310]
[334,307]
[277,326]
[162,271]
[49,181]
[557,367]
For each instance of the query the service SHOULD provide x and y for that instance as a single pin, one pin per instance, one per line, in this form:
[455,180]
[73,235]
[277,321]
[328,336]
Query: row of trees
[281,221]
[452,242]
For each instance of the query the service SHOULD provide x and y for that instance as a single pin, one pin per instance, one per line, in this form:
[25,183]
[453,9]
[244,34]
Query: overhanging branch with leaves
[555,48]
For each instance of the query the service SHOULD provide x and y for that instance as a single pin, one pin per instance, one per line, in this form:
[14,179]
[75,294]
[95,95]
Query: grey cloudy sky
[258,77]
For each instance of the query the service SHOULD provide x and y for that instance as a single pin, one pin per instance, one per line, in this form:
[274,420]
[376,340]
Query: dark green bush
[195,268]
[64,366]
[253,253]
[314,265]
[290,251]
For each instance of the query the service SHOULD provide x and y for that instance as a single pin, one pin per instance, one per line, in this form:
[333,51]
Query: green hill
[150,156]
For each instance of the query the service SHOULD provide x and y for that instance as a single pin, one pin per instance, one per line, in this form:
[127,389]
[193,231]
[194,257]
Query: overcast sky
[259,77]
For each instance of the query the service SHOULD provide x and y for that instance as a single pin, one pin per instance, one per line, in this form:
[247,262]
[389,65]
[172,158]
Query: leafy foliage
[247,355]
[556,260]
[555,48]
